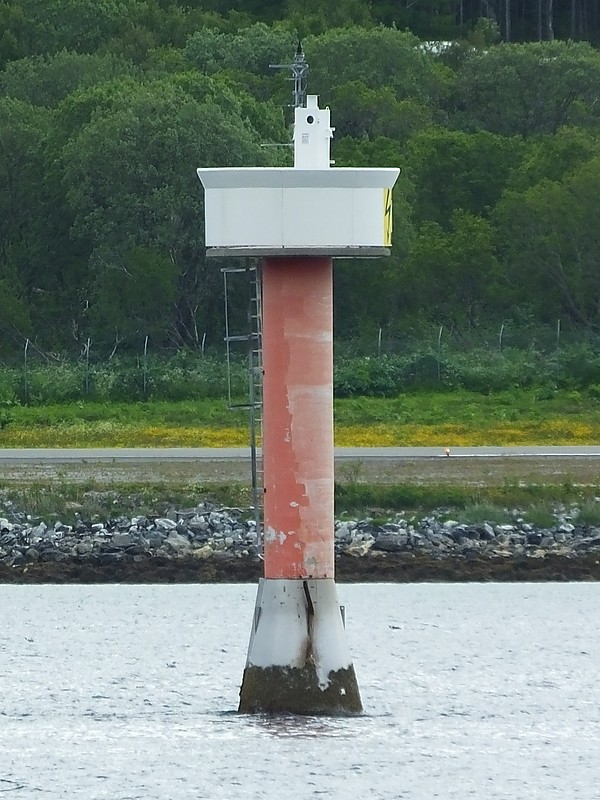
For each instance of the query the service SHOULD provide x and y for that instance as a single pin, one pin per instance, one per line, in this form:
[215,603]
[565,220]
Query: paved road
[203,466]
[365,454]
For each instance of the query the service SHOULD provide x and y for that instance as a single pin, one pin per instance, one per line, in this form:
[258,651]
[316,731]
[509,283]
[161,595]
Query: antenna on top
[299,71]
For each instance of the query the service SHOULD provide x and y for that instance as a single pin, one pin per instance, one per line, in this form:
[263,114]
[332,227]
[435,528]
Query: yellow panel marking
[387,217]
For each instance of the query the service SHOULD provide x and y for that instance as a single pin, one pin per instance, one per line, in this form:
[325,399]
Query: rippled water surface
[471,691]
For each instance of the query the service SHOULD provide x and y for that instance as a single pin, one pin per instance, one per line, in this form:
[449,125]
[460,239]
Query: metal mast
[299,70]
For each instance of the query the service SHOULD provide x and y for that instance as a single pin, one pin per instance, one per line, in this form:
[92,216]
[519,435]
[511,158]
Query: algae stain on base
[293,690]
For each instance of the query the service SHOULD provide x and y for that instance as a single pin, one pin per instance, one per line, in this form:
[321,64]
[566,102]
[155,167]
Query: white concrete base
[298,658]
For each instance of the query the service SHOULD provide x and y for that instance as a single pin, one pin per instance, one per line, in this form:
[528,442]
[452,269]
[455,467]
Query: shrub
[578,366]
[589,513]
[540,516]
[189,375]
[52,383]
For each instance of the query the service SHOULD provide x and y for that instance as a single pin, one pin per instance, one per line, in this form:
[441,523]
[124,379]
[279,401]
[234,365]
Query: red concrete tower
[298,409]
[297,219]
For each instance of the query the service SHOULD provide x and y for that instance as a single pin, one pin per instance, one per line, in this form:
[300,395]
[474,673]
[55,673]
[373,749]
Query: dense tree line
[108,106]
[28,27]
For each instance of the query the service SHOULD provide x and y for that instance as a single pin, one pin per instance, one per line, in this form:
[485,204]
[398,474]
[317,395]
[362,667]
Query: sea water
[470,691]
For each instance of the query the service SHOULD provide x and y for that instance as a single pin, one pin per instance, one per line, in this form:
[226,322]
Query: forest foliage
[107,107]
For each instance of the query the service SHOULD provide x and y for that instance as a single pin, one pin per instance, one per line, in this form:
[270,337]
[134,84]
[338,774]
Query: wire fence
[506,358]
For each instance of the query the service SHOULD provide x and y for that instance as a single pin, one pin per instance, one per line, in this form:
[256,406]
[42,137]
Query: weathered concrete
[292,690]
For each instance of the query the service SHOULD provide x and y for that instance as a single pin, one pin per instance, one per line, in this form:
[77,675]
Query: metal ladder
[253,339]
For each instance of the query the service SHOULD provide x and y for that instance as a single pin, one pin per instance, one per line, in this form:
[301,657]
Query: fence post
[145,365]
[439,360]
[86,350]
[25,375]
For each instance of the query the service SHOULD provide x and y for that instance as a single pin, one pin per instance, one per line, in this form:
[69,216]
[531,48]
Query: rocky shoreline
[211,544]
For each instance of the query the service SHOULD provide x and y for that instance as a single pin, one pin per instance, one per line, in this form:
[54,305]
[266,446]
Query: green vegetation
[107,108]
[182,377]
[91,499]
[540,515]
[544,372]
[534,503]
[434,418]
[473,504]
[214,413]
[480,512]
[589,512]
[402,497]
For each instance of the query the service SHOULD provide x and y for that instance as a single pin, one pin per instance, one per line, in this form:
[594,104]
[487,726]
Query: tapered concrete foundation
[298,659]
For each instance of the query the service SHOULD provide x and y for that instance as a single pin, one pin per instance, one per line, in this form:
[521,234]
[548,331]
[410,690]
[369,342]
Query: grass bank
[443,419]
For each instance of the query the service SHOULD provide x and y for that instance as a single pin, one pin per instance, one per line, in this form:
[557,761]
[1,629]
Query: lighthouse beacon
[297,219]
